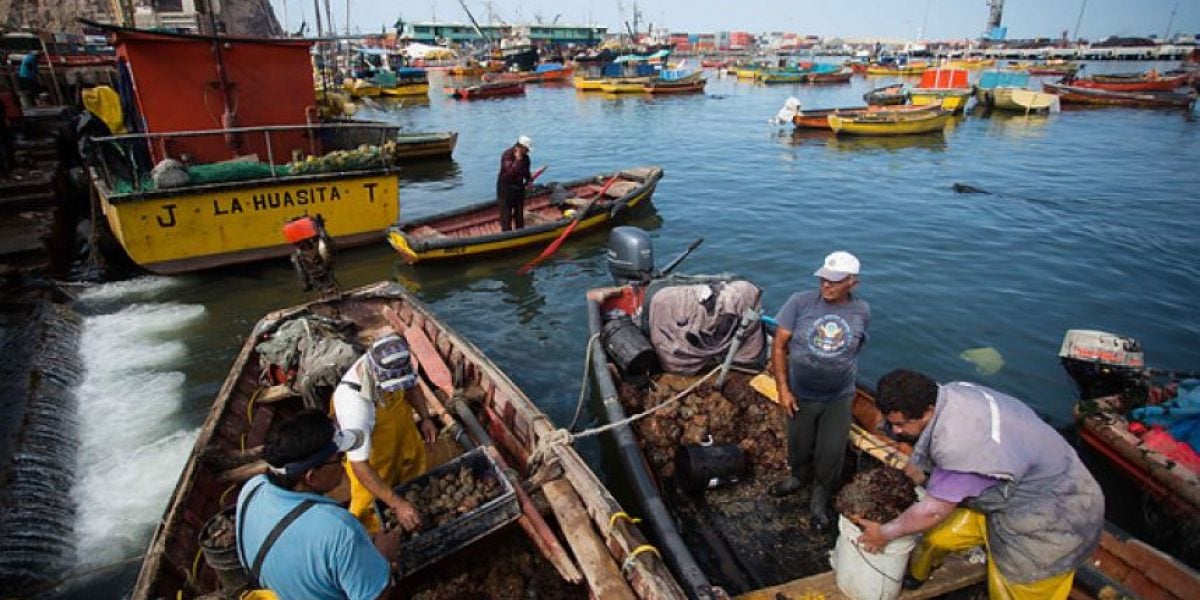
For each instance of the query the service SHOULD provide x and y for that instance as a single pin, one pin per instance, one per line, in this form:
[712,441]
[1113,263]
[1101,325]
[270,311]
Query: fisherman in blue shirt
[320,550]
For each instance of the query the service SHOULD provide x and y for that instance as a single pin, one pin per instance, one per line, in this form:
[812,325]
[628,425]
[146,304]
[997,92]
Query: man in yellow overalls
[378,395]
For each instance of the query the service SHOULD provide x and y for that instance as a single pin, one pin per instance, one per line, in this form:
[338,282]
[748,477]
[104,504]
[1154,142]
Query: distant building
[538,34]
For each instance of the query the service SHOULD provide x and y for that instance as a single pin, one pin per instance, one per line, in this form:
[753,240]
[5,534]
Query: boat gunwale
[112,197]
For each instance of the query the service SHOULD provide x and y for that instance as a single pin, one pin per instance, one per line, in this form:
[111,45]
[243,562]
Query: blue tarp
[547,67]
[1180,415]
[994,79]
[675,74]
[612,69]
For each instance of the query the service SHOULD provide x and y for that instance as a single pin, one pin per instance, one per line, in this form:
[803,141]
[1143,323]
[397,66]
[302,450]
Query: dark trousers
[817,436]
[512,206]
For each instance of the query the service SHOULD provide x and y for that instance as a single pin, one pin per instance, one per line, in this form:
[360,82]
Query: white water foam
[132,445]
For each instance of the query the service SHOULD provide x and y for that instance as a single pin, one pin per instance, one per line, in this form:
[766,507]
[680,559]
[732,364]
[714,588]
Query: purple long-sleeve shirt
[514,171]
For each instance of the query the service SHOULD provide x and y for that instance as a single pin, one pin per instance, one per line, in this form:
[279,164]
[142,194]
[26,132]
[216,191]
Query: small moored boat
[1070,94]
[949,88]
[474,230]
[476,405]
[495,89]
[887,95]
[1137,82]
[890,123]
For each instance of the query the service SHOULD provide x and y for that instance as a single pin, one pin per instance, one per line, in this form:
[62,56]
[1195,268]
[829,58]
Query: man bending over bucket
[304,544]
[1001,478]
[378,395]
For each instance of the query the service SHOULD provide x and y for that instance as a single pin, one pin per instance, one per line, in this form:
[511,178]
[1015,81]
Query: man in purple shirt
[510,184]
[1000,478]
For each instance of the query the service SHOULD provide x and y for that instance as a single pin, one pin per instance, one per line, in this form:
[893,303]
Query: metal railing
[128,156]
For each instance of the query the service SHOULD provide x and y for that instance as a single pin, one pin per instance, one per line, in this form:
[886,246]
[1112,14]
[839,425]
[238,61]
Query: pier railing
[125,162]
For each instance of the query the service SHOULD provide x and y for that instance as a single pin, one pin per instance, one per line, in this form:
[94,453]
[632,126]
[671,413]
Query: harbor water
[1089,222]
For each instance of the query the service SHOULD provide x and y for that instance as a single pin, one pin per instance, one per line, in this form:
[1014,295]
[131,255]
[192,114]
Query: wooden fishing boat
[747,72]
[1023,100]
[497,89]
[226,199]
[1070,94]
[625,85]
[782,76]
[588,83]
[475,230]
[1141,82]
[754,546]
[887,95]
[890,123]
[413,146]
[1051,68]
[476,405]
[1104,427]
[912,68]
[840,76]
[465,70]
[949,88]
[690,85]
[819,119]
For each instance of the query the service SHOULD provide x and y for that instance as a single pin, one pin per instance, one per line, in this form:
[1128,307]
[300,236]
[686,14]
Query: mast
[1079,19]
[474,23]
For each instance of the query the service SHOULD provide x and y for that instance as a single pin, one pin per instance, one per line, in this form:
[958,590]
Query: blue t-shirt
[29,66]
[826,341]
[324,554]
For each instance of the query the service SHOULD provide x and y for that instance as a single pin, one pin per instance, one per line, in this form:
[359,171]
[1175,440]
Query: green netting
[363,158]
[232,171]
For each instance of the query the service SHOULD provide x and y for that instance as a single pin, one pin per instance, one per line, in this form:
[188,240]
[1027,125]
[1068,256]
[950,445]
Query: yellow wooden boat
[361,88]
[588,83]
[475,230]
[625,85]
[889,123]
[915,68]
[406,89]
[953,100]
[747,73]
[232,212]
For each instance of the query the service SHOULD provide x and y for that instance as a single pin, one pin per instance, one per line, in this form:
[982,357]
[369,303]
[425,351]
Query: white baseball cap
[838,266]
[525,141]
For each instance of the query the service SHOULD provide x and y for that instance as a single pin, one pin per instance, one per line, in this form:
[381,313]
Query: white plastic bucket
[865,576]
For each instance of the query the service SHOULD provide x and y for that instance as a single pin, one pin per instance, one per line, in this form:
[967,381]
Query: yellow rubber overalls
[397,454]
[966,528]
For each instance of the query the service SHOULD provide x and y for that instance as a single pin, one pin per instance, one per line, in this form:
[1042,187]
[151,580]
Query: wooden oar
[553,247]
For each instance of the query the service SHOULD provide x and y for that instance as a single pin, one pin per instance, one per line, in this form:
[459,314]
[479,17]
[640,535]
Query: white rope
[562,437]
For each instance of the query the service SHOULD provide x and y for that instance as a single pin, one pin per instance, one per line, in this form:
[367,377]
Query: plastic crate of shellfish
[460,502]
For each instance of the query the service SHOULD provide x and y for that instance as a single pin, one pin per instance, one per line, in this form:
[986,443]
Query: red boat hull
[1155,84]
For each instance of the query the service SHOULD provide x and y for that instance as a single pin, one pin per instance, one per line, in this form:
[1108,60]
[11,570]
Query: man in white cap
[378,395]
[510,184]
[814,360]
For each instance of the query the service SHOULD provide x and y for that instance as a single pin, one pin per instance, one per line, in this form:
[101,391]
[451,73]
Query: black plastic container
[699,468]
[628,347]
[430,545]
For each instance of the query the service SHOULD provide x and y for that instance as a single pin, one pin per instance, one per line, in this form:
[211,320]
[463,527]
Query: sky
[890,19]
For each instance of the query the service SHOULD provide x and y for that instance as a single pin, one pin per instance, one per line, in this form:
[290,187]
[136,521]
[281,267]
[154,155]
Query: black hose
[675,551]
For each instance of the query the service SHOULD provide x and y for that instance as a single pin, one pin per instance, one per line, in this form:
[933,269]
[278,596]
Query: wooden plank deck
[955,574]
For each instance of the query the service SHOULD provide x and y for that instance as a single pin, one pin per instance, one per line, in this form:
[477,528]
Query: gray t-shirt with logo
[826,341]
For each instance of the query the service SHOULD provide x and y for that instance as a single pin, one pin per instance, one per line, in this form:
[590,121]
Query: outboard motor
[630,255]
[1102,363]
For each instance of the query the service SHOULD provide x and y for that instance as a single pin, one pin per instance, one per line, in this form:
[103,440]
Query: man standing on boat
[814,360]
[510,184]
[378,395]
[294,540]
[999,477]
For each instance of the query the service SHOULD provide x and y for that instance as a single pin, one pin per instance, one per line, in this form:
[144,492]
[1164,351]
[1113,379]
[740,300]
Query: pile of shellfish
[444,498]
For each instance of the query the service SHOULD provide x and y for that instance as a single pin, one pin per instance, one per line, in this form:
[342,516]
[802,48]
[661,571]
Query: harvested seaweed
[878,494]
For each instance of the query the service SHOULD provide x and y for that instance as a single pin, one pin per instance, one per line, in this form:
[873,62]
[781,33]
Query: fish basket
[428,546]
